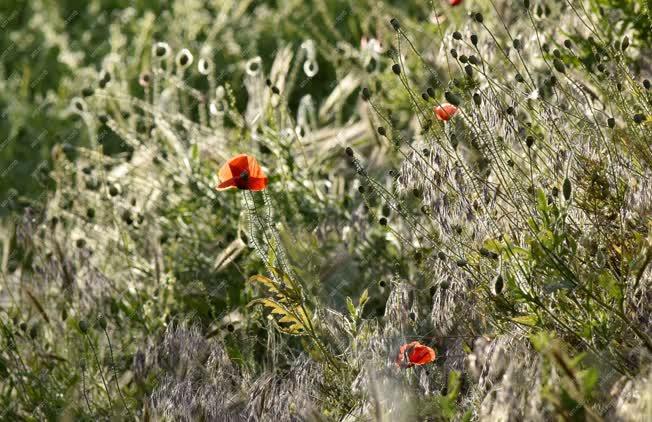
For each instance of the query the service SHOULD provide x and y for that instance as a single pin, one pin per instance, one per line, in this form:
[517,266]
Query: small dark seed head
[516,43]
[529,141]
[382,221]
[83,326]
[382,131]
[349,151]
[478,17]
[559,66]
[457,35]
[395,24]
[463,58]
[275,90]
[441,255]
[556,53]
[396,68]
[366,94]
[454,53]
[646,84]
[625,43]
[431,92]
[382,283]
[468,69]
[638,118]
[474,39]
[425,96]
[474,60]
[519,78]
[361,189]
[477,99]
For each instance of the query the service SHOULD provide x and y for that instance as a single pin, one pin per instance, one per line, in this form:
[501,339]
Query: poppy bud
[474,39]
[646,84]
[468,69]
[464,59]
[395,24]
[382,131]
[529,141]
[83,326]
[474,60]
[425,96]
[349,151]
[366,94]
[556,53]
[431,92]
[452,98]
[567,189]
[478,17]
[396,68]
[382,221]
[568,44]
[457,35]
[638,118]
[519,78]
[498,284]
[625,43]
[516,43]
[559,66]
[454,53]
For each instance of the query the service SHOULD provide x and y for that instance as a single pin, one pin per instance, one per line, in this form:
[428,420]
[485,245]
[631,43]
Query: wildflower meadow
[326,210]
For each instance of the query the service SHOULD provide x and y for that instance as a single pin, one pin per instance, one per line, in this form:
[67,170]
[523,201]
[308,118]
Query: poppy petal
[239,164]
[225,173]
[256,183]
[227,184]
[254,168]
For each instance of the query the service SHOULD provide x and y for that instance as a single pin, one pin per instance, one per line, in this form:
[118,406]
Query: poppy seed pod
[519,78]
[83,326]
[638,118]
[516,43]
[184,59]
[474,60]
[464,59]
[161,50]
[382,221]
[87,92]
[101,321]
[382,131]
[625,43]
[425,96]
[431,92]
[349,151]
[457,35]
[468,69]
[646,84]
[477,99]
[396,68]
[454,53]
[568,44]
[478,17]
[395,24]
[474,39]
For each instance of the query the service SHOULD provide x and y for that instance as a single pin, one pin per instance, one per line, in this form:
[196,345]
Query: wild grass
[514,238]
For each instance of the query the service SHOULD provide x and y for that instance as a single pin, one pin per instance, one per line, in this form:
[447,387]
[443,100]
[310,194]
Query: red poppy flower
[414,353]
[445,111]
[455,2]
[242,172]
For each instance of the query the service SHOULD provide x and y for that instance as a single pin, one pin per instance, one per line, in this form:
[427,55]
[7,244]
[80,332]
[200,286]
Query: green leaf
[529,320]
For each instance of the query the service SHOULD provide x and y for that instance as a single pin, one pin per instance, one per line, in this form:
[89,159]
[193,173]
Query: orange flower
[445,111]
[414,353]
[242,172]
